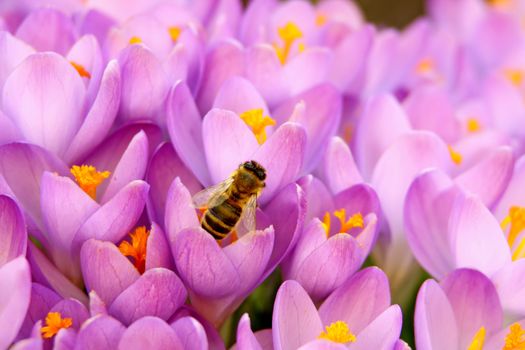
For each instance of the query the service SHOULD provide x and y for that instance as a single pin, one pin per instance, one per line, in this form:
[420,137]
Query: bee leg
[201,211]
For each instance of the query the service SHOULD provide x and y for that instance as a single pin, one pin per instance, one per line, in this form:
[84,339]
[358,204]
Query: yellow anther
[135,40]
[326,223]
[301,47]
[473,125]
[354,221]
[320,19]
[515,339]
[175,32]
[289,33]
[499,3]
[516,219]
[425,66]
[478,340]
[258,122]
[338,332]
[454,155]
[515,76]
[88,178]
[54,323]
[81,70]
[137,248]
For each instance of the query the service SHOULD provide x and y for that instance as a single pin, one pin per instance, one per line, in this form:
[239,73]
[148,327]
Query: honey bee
[232,203]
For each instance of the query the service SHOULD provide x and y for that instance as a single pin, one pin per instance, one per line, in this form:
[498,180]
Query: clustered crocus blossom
[390,155]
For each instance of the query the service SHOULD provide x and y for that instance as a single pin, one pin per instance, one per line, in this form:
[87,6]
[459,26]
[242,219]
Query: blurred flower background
[392,138]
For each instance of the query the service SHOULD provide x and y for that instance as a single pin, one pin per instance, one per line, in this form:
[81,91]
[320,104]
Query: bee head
[256,169]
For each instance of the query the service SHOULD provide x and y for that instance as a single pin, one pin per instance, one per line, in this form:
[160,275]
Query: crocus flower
[463,311]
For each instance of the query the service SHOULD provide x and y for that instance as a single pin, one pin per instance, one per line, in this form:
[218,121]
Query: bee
[232,202]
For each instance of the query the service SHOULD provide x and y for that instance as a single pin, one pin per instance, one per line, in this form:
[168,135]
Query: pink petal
[239,95]
[191,333]
[158,249]
[298,75]
[510,282]
[180,212]
[245,338]
[100,332]
[383,332]
[149,333]
[514,195]
[12,52]
[340,170]
[14,234]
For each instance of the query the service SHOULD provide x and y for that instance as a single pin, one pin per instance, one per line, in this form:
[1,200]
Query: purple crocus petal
[117,217]
[33,343]
[287,211]
[382,333]
[96,23]
[360,198]
[228,142]
[514,195]
[158,292]
[324,345]
[185,129]
[15,291]
[490,177]
[96,305]
[245,338]
[510,281]
[295,319]
[44,97]
[158,249]
[428,205]
[239,95]
[14,234]
[253,26]
[215,276]
[149,333]
[72,308]
[383,121]
[434,321]
[358,301]
[59,35]
[10,132]
[131,166]
[342,11]
[144,86]
[191,333]
[100,332]
[475,302]
[479,242]
[401,345]
[41,301]
[180,212]
[224,20]
[12,52]
[106,270]
[213,337]
[282,156]
[339,169]
[224,60]
[497,340]
[65,339]
[321,116]
[45,272]
[164,167]
[318,197]
[100,117]
[299,12]
[297,75]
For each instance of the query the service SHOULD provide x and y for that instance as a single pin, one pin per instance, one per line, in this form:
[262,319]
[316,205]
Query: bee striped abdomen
[221,219]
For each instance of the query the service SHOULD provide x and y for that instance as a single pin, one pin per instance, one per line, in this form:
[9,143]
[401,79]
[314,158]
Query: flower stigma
[473,125]
[88,178]
[516,219]
[338,332]
[54,323]
[137,248]
[455,156]
[258,122]
[135,40]
[354,221]
[478,340]
[289,33]
[80,70]
[515,339]
[174,32]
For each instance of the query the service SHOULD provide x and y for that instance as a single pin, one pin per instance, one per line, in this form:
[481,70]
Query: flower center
[320,19]
[354,221]
[515,339]
[454,155]
[288,34]
[54,323]
[137,248]
[81,70]
[174,33]
[516,219]
[135,40]
[473,125]
[88,178]
[338,332]
[478,340]
[515,76]
[258,122]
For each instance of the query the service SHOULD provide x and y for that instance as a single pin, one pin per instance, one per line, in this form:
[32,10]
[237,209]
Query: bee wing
[247,222]
[210,197]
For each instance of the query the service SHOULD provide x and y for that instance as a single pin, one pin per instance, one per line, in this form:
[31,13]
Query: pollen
[137,248]
[326,223]
[289,34]
[425,66]
[258,122]
[355,221]
[515,76]
[88,178]
[81,70]
[135,40]
[338,332]
[54,323]
[515,339]
[174,32]
[478,340]
[473,125]
[455,156]
[320,19]
[516,220]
